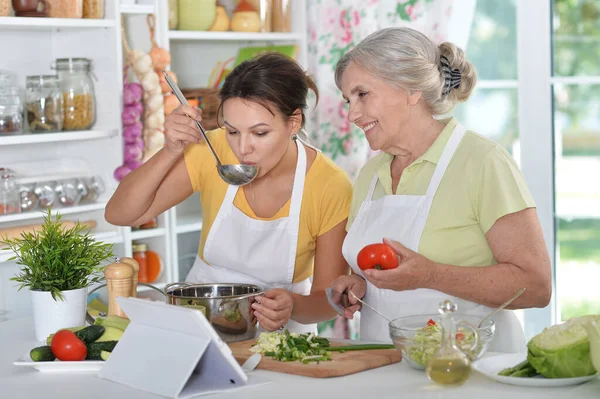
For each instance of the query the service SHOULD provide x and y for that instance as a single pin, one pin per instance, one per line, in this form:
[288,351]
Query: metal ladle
[236,175]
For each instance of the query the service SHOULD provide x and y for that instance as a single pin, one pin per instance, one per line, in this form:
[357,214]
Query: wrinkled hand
[413,271]
[181,130]
[274,309]
[352,283]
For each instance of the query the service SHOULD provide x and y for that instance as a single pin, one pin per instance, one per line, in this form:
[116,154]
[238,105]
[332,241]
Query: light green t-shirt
[482,184]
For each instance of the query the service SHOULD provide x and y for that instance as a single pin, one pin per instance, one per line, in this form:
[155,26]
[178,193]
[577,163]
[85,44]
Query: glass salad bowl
[418,337]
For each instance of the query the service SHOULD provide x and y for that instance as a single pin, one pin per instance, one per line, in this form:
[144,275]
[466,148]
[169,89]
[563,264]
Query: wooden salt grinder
[118,283]
[136,269]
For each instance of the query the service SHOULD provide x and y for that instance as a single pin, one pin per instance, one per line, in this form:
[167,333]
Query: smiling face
[257,136]
[381,110]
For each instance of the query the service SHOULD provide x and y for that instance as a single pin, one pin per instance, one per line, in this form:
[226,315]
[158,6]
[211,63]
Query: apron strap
[295,208]
[444,161]
[372,186]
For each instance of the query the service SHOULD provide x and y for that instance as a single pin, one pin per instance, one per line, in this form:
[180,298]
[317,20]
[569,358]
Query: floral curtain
[334,27]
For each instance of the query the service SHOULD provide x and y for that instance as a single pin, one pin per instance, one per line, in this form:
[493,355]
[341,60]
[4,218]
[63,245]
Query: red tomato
[67,347]
[460,337]
[377,256]
[431,322]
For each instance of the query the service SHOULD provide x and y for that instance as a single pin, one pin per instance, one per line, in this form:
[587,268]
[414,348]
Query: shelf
[188,224]
[149,233]
[37,138]
[234,36]
[110,237]
[45,23]
[134,9]
[63,211]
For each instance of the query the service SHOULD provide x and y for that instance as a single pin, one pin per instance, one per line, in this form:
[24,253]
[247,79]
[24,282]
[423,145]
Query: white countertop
[394,381]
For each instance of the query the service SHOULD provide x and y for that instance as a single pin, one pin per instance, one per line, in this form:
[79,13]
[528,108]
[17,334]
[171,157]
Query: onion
[121,172]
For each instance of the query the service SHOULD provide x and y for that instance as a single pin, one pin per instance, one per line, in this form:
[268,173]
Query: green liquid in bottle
[448,371]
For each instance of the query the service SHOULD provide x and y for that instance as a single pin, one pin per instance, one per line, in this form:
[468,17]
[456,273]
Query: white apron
[402,218]
[240,249]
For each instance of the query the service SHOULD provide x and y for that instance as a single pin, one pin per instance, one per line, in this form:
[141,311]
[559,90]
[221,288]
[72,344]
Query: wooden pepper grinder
[118,283]
[136,270]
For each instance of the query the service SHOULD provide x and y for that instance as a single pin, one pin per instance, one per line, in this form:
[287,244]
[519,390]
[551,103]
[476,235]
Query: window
[576,114]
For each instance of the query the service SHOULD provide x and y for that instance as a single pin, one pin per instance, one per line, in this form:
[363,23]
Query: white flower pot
[50,315]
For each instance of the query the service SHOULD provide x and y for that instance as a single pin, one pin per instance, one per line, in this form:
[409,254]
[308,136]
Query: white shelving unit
[37,138]
[32,24]
[177,35]
[34,43]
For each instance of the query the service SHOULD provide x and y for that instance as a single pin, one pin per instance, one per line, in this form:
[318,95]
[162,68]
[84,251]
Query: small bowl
[418,352]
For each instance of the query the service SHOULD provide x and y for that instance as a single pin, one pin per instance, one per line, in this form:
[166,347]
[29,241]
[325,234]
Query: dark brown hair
[270,79]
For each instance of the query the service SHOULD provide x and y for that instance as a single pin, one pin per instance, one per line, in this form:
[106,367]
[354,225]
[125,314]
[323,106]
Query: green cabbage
[563,350]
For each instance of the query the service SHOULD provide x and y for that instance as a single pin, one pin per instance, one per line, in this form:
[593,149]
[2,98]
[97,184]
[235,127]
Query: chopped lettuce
[429,338]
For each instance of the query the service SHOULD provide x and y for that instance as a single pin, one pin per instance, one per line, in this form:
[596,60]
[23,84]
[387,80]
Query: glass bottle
[79,101]
[43,103]
[9,193]
[139,254]
[449,365]
[93,9]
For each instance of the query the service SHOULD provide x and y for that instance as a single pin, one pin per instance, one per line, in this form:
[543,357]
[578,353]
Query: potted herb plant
[58,264]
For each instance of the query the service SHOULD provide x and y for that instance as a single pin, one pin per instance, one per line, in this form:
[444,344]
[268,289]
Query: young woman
[283,231]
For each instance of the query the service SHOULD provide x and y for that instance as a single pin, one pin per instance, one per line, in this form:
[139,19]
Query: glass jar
[281,20]
[139,254]
[9,193]
[65,8]
[93,9]
[43,103]
[11,119]
[45,193]
[173,17]
[196,14]
[79,101]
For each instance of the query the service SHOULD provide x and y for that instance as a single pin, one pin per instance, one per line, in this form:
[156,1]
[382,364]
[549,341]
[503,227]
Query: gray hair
[409,60]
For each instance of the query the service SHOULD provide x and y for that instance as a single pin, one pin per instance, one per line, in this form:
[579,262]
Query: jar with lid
[139,254]
[93,9]
[79,99]
[65,8]
[43,103]
[9,193]
[173,14]
[11,119]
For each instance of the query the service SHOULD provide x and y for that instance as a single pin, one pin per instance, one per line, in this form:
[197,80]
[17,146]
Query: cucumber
[42,354]
[90,334]
[104,355]
[110,334]
[94,350]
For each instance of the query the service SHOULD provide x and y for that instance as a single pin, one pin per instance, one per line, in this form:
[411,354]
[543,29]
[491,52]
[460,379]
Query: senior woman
[452,204]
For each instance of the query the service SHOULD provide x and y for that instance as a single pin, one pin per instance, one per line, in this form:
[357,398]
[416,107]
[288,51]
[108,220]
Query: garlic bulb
[155,120]
[154,102]
[150,80]
[143,64]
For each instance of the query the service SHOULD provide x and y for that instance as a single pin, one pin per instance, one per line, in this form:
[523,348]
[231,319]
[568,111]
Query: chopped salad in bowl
[418,337]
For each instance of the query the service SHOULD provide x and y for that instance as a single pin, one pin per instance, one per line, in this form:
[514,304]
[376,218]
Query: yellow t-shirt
[482,183]
[325,200]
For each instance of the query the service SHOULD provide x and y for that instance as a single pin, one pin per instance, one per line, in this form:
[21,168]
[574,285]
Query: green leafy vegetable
[563,350]
[289,347]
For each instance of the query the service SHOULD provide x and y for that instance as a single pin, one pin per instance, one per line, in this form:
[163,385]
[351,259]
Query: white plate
[58,366]
[491,366]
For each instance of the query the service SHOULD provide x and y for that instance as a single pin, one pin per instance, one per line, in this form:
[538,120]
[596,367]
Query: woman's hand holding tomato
[67,347]
[405,270]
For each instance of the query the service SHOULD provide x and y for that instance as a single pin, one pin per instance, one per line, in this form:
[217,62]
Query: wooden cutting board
[341,364]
